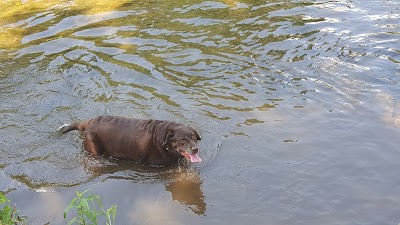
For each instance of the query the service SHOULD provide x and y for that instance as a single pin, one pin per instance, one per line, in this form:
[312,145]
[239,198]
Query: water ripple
[79,21]
[277,82]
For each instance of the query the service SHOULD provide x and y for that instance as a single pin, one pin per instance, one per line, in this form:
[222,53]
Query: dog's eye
[194,137]
[182,142]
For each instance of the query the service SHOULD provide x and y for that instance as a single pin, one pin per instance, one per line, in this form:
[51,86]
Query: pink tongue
[195,158]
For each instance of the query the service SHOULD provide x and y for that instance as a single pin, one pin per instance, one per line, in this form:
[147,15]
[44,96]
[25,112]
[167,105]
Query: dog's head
[183,141]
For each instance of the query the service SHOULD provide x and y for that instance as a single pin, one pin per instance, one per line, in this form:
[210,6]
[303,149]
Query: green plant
[8,215]
[85,208]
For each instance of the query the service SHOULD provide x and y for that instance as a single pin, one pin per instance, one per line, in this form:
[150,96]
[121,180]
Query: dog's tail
[81,126]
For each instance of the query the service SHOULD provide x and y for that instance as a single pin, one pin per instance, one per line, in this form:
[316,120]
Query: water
[297,103]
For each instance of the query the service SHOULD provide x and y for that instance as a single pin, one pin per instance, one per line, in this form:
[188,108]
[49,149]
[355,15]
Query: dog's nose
[195,150]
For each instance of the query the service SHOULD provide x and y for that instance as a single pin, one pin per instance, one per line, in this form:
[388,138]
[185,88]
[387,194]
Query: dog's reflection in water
[184,183]
[186,188]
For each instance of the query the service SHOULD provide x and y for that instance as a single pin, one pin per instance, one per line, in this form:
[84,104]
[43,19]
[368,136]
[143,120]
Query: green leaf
[82,193]
[110,215]
[6,214]
[3,199]
[72,221]
[70,206]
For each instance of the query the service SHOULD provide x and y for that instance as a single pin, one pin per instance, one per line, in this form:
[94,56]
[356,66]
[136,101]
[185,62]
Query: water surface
[297,103]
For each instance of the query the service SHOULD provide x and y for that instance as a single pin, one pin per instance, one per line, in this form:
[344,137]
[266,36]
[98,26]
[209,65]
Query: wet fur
[150,142]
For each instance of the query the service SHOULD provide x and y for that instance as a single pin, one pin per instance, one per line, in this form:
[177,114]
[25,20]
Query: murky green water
[297,103]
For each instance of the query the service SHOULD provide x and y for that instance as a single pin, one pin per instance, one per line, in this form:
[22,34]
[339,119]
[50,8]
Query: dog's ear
[197,135]
[169,134]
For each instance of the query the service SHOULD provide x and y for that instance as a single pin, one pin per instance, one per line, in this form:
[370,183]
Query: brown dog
[149,142]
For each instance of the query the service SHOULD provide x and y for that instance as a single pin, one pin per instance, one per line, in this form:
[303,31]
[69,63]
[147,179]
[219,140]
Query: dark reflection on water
[297,103]
[182,181]
[186,188]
